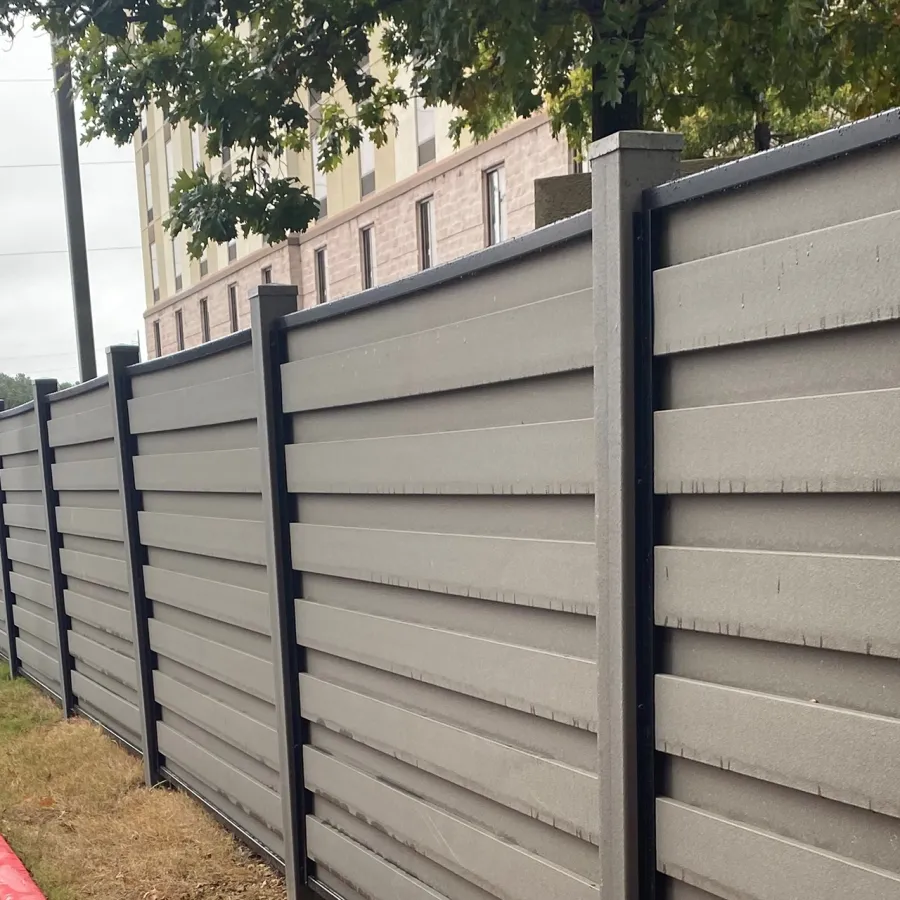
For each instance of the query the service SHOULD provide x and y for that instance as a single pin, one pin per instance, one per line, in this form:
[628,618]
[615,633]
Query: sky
[37,330]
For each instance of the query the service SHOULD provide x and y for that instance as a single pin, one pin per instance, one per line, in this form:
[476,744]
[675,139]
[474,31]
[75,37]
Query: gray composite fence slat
[241,670]
[24,516]
[32,589]
[834,601]
[544,458]
[29,655]
[95,523]
[254,738]
[339,854]
[825,443]
[104,616]
[541,338]
[552,574]
[114,707]
[236,539]
[211,403]
[832,278]
[547,684]
[39,626]
[29,552]
[230,603]
[22,478]
[81,428]
[219,775]
[542,788]
[781,739]
[220,471]
[87,475]
[477,855]
[22,440]
[736,860]
[104,660]
[103,570]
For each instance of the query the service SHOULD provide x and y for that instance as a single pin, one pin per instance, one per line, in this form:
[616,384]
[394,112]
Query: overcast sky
[37,332]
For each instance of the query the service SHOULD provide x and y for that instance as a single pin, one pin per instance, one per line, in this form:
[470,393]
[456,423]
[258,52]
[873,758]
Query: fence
[546,573]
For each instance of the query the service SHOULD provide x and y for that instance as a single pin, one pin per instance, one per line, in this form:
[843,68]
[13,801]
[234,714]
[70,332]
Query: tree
[734,74]
[17,389]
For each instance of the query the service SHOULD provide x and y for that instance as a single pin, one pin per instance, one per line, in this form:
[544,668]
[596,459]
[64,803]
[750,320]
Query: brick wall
[527,151]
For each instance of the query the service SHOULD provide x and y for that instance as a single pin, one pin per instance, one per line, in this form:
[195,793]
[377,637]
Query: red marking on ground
[15,882]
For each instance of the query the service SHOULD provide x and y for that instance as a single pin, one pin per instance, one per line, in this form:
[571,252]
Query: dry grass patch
[73,806]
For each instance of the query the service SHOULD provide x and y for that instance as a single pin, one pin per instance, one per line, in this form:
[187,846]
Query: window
[226,156]
[196,155]
[144,126]
[425,132]
[154,271]
[232,250]
[148,187]
[176,264]
[157,340]
[577,163]
[495,203]
[232,308]
[366,166]
[170,164]
[321,276]
[204,320]
[179,329]
[267,275]
[367,256]
[204,267]
[320,179]
[425,225]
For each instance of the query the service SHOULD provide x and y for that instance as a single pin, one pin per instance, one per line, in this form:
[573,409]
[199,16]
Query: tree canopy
[17,389]
[732,74]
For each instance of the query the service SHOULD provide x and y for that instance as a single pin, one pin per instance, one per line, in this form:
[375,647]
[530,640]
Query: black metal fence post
[117,361]
[4,585]
[267,305]
[43,387]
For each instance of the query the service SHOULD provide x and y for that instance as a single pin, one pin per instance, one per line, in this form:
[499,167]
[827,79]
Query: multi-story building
[387,212]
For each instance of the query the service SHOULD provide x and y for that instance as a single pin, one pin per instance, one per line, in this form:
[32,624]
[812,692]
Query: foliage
[17,389]
[733,74]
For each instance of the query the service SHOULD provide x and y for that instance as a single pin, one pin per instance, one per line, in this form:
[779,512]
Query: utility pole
[71,177]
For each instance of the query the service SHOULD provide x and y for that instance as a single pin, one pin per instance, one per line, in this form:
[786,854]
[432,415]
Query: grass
[74,808]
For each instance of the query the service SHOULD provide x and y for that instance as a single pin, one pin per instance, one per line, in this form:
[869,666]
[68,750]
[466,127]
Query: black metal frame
[120,361]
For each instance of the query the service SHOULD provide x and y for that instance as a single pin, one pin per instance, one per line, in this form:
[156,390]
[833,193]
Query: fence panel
[776,570]
[200,520]
[441,469]
[92,557]
[34,617]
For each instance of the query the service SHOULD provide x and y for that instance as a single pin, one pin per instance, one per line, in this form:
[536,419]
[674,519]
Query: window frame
[320,267]
[179,329]
[425,233]
[367,256]
[205,336]
[233,312]
[157,338]
[495,202]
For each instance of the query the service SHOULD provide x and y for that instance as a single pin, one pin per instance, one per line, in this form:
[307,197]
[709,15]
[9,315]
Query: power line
[56,165]
[55,252]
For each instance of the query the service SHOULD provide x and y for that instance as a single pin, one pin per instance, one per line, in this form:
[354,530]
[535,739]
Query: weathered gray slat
[104,660]
[557,687]
[224,602]
[831,442]
[241,670]
[22,478]
[28,552]
[552,335]
[31,589]
[97,523]
[813,599]
[228,724]
[212,403]
[89,567]
[339,854]
[542,788]
[4,643]
[551,574]
[496,865]
[781,739]
[832,278]
[87,475]
[544,458]
[22,440]
[237,539]
[46,666]
[40,627]
[221,471]
[734,860]
[81,428]
[24,516]
[112,619]
[219,775]
[115,708]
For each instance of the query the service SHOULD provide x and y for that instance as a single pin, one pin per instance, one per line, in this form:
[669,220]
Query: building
[388,212]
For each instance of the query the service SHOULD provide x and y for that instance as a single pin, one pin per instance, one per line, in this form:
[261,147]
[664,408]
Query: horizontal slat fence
[777,711]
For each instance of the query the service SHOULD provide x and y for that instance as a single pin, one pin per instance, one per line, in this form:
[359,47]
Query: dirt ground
[73,807]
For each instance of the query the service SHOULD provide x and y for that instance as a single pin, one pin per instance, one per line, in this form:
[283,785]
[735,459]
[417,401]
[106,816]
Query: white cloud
[37,333]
